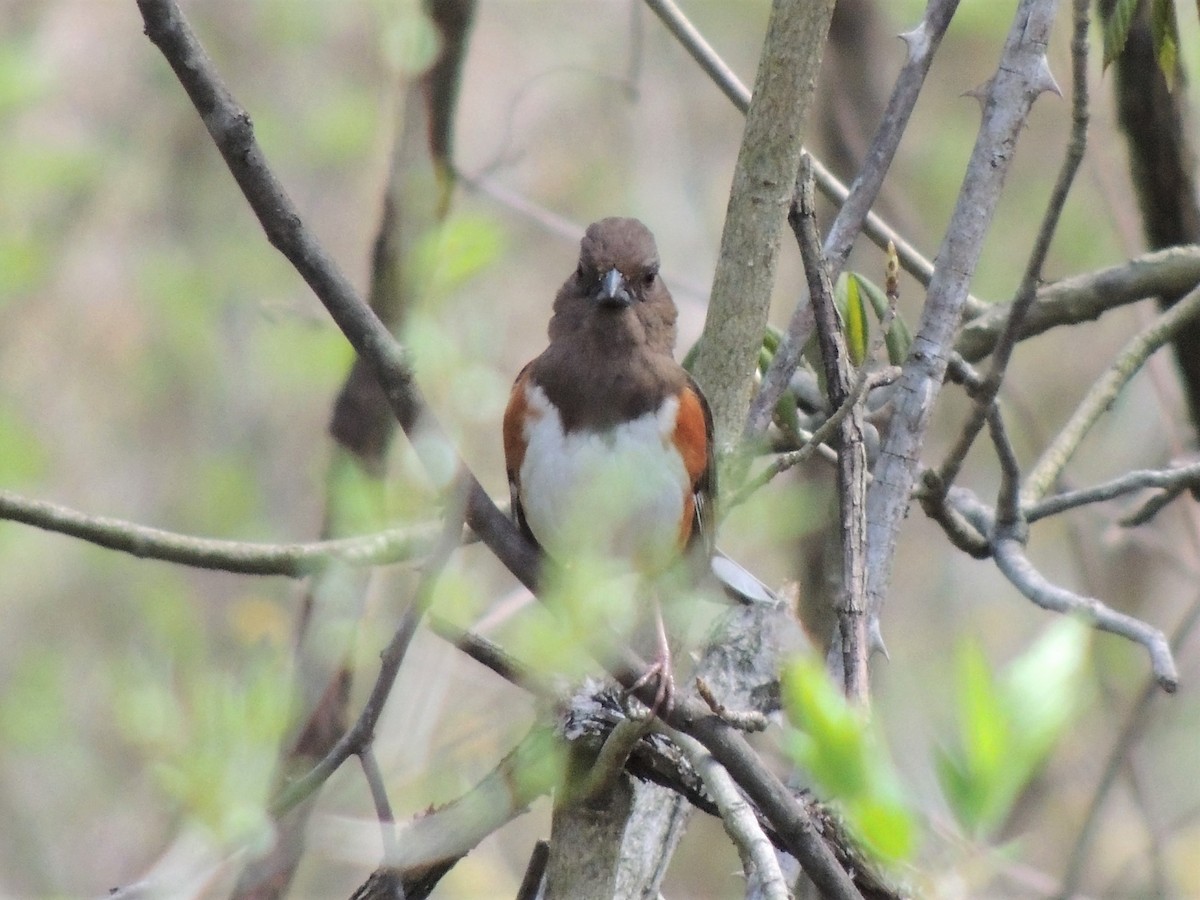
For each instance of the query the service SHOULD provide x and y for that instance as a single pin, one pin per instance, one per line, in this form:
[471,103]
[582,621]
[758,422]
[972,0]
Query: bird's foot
[659,672]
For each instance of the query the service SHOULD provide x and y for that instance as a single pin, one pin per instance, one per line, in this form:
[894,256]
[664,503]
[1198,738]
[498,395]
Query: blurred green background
[160,362]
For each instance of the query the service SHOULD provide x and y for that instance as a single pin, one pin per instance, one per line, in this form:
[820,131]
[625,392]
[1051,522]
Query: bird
[608,441]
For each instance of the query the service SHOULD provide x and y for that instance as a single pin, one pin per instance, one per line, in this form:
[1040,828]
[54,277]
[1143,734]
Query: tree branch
[1022,75]
[759,863]
[1172,482]
[852,454]
[1101,395]
[1082,298]
[758,200]
[239,557]
[231,131]
[985,395]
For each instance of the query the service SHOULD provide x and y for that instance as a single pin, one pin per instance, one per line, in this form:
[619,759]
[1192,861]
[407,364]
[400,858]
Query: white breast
[617,492]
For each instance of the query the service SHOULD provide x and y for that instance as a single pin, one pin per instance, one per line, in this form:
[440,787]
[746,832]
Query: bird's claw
[664,693]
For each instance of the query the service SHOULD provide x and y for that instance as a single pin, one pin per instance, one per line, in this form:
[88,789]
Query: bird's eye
[648,278]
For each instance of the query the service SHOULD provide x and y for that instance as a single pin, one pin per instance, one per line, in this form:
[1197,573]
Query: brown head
[616,298]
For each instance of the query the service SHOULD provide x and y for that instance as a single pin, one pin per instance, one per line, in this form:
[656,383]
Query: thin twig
[362,733]
[1102,394]
[383,807]
[864,382]
[1171,481]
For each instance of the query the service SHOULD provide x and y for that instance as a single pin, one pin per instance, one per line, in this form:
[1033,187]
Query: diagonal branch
[986,393]
[231,131]
[1022,75]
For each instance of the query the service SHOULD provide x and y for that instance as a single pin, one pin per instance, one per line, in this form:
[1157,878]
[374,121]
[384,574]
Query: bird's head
[616,291]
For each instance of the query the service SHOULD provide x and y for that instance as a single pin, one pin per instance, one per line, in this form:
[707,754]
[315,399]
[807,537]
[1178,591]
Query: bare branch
[240,557]
[922,43]
[1101,395]
[1007,341]
[759,862]
[852,453]
[1170,272]
[231,131]
[1020,78]
[1171,481]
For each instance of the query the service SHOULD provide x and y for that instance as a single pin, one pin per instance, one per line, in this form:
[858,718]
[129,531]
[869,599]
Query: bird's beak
[614,292]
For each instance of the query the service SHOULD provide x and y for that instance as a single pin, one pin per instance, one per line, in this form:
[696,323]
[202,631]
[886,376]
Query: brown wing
[694,440]
[515,415]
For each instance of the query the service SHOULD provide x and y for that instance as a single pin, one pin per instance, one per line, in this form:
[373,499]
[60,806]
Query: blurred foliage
[1008,725]
[836,745]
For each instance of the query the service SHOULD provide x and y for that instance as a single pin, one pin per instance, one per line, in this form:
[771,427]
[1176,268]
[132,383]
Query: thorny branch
[1022,75]
[1002,351]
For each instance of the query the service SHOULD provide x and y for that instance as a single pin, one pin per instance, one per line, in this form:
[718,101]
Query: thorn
[875,642]
[1043,79]
[980,92]
[917,42]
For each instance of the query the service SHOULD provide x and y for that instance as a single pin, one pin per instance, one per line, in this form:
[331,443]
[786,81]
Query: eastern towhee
[608,441]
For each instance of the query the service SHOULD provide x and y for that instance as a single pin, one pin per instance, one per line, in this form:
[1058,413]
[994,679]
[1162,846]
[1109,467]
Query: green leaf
[898,338]
[1116,29]
[857,327]
[1164,31]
